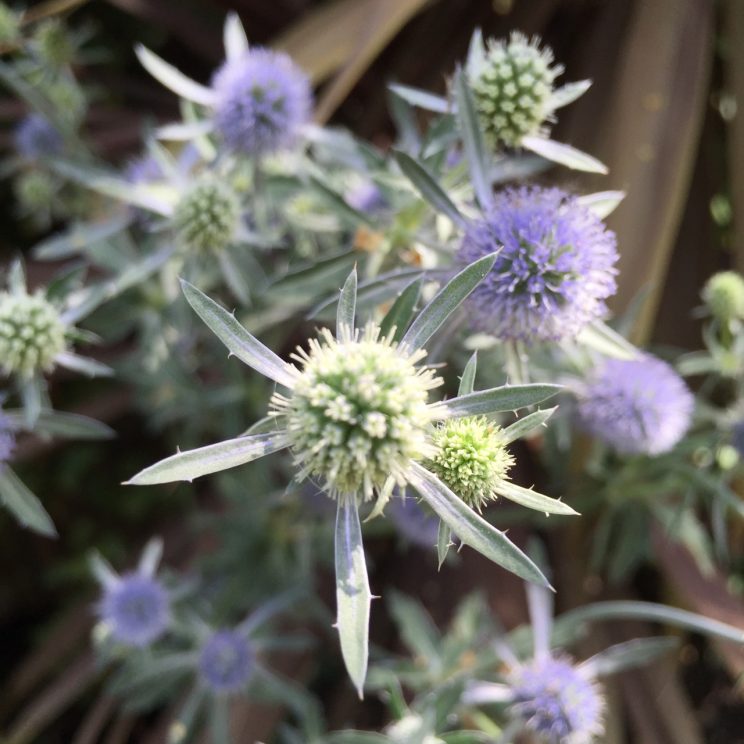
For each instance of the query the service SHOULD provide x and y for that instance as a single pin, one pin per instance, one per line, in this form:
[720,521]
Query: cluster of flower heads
[554,272]
[637,406]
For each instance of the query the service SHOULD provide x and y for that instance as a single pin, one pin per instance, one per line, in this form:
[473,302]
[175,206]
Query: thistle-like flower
[356,416]
[226,661]
[554,272]
[37,138]
[723,294]
[639,406]
[513,89]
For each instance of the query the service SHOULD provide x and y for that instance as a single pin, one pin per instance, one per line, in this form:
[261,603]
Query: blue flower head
[554,272]
[136,607]
[226,661]
[557,701]
[262,100]
[7,440]
[366,197]
[639,406]
[36,138]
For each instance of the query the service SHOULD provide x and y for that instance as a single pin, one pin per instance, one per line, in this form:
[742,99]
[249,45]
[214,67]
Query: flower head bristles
[639,406]
[226,661]
[261,100]
[471,459]
[37,138]
[723,294]
[513,89]
[557,701]
[207,215]
[32,334]
[358,413]
[555,270]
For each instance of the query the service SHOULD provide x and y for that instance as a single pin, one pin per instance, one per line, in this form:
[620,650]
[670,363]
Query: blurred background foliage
[662,114]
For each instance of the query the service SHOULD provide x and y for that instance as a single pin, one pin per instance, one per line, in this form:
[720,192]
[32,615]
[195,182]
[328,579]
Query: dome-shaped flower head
[226,661]
[261,100]
[554,272]
[37,138]
[638,406]
[136,608]
[724,295]
[558,701]
[513,89]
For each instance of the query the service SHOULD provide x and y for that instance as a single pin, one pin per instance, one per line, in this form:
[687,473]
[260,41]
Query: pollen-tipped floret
[513,89]
[724,295]
[358,413]
[36,138]
[207,216]
[639,406]
[226,661]
[262,100]
[136,607]
[470,459]
[557,701]
[32,334]
[7,440]
[555,269]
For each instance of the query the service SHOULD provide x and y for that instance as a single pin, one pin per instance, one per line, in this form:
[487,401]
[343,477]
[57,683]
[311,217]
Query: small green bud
[724,296]
[471,458]
[9,25]
[207,216]
[727,457]
[35,190]
[513,89]
[31,334]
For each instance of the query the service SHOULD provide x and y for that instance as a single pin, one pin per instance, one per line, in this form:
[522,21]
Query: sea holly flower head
[723,295]
[554,272]
[637,406]
[207,215]
[36,138]
[226,661]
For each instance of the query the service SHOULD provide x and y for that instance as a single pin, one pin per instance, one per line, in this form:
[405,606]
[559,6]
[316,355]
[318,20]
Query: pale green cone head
[207,216]
[724,296]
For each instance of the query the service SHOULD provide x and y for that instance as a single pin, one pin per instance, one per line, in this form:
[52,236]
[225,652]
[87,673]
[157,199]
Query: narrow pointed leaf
[467,381]
[628,655]
[472,529]
[346,310]
[421,98]
[24,505]
[172,78]
[494,400]
[401,312]
[569,92]
[185,466]
[526,424]
[353,597]
[183,131]
[84,365]
[32,396]
[532,499]
[79,237]
[235,40]
[557,152]
[600,337]
[237,339]
[602,203]
[427,186]
[446,301]
[64,425]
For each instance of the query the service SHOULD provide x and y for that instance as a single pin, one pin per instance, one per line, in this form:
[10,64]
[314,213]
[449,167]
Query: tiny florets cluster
[555,269]
[137,609]
[471,458]
[32,334]
[226,661]
[262,100]
[358,412]
[207,216]
[513,89]
[724,296]
[639,406]
[556,701]
[36,138]
[7,440]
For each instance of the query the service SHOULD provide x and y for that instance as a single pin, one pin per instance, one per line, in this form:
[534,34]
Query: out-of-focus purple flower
[413,523]
[226,661]
[36,138]
[7,440]
[557,701]
[143,169]
[366,197]
[136,607]
[639,406]
[555,270]
[262,100]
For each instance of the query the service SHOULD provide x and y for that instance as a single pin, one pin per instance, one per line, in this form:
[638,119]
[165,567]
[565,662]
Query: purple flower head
[555,269]
[639,406]
[262,99]
[137,608]
[413,523]
[36,138]
[366,197]
[226,661]
[7,440]
[557,701]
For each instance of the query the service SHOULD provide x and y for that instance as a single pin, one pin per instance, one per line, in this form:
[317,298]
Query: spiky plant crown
[32,334]
[513,89]
[724,295]
[226,661]
[358,412]
[207,215]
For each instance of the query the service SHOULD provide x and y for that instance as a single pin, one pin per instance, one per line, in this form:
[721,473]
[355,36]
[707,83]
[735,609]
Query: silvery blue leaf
[235,40]
[602,203]
[566,155]
[526,424]
[346,310]
[24,506]
[494,400]
[532,499]
[84,365]
[172,78]
[569,92]
[421,98]
[627,655]
[401,311]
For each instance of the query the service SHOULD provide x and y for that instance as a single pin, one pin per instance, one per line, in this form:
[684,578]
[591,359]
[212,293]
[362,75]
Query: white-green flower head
[513,89]
[207,215]
[471,458]
[724,296]
[358,413]
[32,334]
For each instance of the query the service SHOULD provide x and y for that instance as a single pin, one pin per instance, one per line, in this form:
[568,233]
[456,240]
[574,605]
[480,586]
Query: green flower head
[207,216]
[724,296]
